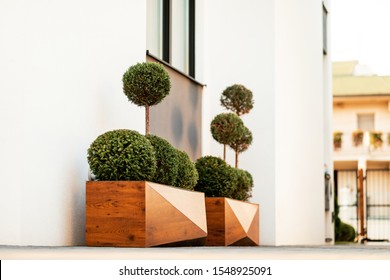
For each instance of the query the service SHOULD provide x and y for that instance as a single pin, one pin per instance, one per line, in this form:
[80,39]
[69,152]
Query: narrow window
[366,122]
[166,31]
[191,39]
[324,29]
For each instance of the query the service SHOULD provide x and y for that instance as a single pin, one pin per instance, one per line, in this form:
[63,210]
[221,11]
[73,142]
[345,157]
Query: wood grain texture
[231,222]
[134,214]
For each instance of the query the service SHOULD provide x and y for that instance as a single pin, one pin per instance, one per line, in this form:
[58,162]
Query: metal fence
[378,205]
[347,196]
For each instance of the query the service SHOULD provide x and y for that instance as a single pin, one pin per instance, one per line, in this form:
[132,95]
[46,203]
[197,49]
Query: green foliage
[146,84]
[238,99]
[187,174]
[243,141]
[122,155]
[167,161]
[216,178]
[226,128]
[344,232]
[244,185]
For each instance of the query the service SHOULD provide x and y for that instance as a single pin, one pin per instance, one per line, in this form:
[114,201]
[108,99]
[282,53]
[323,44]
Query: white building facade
[60,87]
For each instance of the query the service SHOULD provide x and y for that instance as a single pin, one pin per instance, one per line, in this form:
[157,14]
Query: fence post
[362,229]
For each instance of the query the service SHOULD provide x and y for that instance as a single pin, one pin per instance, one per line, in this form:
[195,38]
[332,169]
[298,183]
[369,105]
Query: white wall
[299,123]
[60,87]
[275,49]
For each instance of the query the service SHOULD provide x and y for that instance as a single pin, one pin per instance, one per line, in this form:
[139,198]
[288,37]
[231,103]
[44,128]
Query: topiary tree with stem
[242,142]
[226,129]
[238,99]
[146,84]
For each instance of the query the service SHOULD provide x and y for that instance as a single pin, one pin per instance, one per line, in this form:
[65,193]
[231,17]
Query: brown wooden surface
[215,213]
[136,214]
[115,213]
[232,222]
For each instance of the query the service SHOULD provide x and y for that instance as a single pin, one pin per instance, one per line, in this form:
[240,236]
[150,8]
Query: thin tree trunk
[224,152]
[147,119]
[236,158]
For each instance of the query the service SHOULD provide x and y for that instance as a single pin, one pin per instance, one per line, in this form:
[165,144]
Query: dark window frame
[166,31]
[324,29]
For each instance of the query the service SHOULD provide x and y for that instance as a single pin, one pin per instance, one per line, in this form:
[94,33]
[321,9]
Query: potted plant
[337,139]
[231,220]
[242,142]
[142,195]
[357,137]
[238,99]
[376,139]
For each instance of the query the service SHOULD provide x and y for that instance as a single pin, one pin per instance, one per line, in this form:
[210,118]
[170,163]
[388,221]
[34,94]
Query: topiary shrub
[226,129]
[242,142]
[244,185]
[166,159]
[187,176]
[146,84]
[122,155]
[238,99]
[216,178]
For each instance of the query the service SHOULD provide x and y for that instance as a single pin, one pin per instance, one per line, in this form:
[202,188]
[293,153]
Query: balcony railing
[361,142]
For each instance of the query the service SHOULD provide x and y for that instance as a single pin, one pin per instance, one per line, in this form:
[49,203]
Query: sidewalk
[337,252]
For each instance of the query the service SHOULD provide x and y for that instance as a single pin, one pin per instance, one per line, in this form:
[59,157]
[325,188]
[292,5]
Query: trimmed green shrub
[238,99]
[226,129]
[122,155]
[167,161]
[244,185]
[344,232]
[242,142]
[146,84]
[216,178]
[187,176]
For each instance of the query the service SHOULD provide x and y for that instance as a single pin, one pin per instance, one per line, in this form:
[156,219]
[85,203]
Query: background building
[361,120]
[60,87]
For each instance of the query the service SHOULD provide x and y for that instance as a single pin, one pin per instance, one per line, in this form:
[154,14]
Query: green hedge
[122,155]
[187,176]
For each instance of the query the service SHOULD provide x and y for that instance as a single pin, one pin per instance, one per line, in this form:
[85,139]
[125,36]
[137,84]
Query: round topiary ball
[146,84]
[244,185]
[216,178]
[238,99]
[187,176]
[167,161]
[122,155]
[226,128]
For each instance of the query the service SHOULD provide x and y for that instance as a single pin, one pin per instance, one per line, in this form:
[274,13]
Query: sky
[360,30]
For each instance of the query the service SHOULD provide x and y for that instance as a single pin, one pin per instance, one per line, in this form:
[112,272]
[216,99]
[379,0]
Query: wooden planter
[143,214]
[231,222]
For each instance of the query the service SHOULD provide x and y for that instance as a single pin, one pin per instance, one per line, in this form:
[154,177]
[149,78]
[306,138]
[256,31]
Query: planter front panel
[115,213]
[143,214]
[231,222]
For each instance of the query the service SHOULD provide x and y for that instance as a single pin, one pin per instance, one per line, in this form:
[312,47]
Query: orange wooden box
[143,214]
[231,222]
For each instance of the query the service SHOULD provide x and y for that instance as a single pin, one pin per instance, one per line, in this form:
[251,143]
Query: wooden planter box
[143,214]
[231,222]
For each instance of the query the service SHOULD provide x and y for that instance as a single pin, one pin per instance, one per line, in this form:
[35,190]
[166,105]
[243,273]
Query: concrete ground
[375,251]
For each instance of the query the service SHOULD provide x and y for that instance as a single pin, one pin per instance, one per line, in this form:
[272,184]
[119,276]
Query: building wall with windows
[61,85]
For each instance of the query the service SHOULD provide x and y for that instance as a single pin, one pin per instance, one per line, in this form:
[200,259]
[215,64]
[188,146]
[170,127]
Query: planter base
[231,222]
[143,214]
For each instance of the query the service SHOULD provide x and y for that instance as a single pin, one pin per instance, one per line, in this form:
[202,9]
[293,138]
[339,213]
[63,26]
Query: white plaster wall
[239,48]
[275,49]
[60,87]
[299,109]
